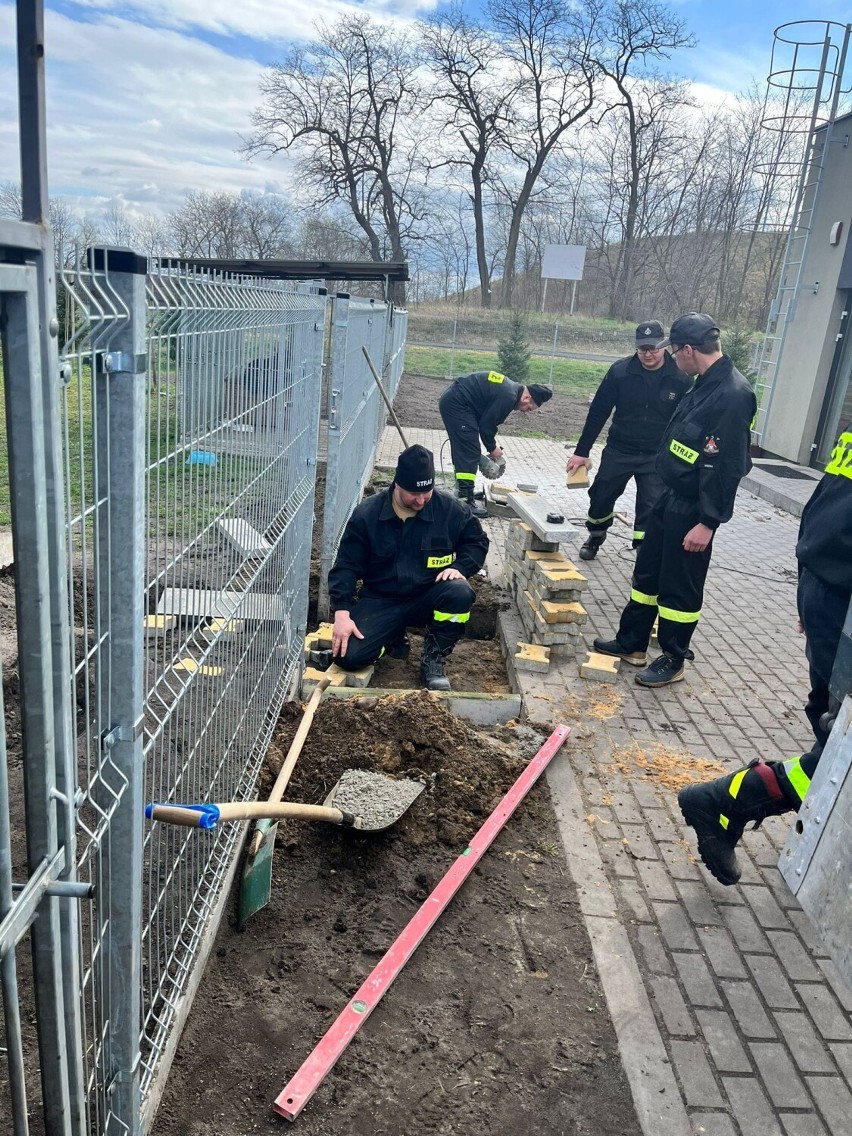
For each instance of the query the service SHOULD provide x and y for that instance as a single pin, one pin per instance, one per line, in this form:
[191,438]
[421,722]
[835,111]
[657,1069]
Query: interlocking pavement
[730,1015]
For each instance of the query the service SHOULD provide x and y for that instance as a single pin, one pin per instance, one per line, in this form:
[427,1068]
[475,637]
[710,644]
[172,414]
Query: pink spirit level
[299,1090]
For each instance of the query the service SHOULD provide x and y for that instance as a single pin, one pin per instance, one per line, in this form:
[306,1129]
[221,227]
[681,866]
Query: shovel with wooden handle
[256,882]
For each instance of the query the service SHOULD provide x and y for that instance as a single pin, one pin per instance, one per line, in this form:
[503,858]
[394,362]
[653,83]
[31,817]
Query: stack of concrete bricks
[547,588]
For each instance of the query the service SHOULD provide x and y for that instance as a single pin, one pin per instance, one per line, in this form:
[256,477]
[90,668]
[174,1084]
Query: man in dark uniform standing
[644,389]
[473,407]
[720,810]
[413,550]
[703,455]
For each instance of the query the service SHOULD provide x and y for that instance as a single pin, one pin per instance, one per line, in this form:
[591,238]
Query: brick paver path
[752,1015]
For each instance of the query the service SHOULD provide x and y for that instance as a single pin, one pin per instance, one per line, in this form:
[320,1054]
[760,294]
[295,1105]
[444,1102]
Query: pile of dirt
[414,736]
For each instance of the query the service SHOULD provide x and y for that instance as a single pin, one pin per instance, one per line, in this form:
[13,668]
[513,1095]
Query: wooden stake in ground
[383,393]
[299,1090]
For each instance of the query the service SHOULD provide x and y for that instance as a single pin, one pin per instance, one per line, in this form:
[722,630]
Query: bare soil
[497,1024]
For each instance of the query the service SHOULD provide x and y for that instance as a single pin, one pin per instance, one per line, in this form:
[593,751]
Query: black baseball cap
[650,334]
[692,330]
[415,470]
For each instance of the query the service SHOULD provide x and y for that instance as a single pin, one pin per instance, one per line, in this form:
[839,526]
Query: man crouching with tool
[413,550]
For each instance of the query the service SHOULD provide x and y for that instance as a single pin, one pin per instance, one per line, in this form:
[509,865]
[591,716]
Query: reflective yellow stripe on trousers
[451,616]
[679,616]
[643,598]
[465,477]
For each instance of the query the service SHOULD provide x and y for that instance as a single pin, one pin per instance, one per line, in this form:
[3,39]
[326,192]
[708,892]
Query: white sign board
[563,262]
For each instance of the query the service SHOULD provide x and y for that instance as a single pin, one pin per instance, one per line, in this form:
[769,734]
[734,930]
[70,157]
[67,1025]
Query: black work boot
[664,670]
[719,811]
[613,647]
[589,550]
[437,646]
[465,492]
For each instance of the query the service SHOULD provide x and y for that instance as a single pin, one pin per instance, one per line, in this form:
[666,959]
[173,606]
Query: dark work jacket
[400,559]
[825,532]
[490,397]
[643,401]
[705,449]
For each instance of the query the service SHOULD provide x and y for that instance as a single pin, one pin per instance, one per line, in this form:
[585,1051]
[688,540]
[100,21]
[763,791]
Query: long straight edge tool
[302,1086]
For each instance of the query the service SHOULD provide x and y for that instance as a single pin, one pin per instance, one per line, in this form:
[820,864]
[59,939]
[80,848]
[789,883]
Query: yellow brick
[601,668]
[532,657]
[557,557]
[562,612]
[312,675]
[192,667]
[561,578]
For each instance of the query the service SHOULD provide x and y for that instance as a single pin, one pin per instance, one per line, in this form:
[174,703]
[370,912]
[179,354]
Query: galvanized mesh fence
[356,411]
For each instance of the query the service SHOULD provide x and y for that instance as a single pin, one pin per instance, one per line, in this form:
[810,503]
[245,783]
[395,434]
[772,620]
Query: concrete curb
[478,709]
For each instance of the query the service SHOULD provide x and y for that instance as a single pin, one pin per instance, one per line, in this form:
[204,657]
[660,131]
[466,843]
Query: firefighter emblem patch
[711,446]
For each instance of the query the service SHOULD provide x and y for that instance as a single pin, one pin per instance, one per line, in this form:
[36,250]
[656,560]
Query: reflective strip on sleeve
[465,477]
[495,377]
[797,776]
[723,820]
[683,452]
[643,598]
[599,520]
[841,457]
[679,616]
[638,535]
[451,616]
[736,781]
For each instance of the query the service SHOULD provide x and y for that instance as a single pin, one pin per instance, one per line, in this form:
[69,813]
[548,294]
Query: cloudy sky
[148,99]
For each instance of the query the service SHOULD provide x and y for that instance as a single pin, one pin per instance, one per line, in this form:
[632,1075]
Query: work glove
[489,468]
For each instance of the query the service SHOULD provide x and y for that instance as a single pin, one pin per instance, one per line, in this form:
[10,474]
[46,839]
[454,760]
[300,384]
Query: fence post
[336,411]
[121,435]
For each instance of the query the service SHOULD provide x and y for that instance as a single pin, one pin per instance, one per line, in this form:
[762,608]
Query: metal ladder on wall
[818,136]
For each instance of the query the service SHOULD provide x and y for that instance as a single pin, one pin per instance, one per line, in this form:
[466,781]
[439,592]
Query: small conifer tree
[513,350]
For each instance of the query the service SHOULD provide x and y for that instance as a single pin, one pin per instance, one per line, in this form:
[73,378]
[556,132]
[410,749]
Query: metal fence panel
[356,411]
[191,424]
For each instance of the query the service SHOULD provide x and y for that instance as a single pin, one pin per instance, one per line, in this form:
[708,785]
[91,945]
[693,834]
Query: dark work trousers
[615,471]
[822,610]
[666,580]
[382,620]
[463,430]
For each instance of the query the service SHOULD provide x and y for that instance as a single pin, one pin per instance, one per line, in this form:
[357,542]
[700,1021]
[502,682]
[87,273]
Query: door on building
[836,414]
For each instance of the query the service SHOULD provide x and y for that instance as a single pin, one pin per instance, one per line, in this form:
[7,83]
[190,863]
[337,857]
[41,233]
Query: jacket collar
[720,370]
[386,513]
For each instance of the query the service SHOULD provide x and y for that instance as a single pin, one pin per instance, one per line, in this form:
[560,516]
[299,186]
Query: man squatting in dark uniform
[413,550]
[473,407]
[703,455]
[644,389]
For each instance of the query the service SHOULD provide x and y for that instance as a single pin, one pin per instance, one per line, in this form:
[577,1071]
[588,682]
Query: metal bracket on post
[118,362]
[120,734]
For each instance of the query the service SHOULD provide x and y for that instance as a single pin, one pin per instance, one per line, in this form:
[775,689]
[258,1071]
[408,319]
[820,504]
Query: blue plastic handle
[209,813]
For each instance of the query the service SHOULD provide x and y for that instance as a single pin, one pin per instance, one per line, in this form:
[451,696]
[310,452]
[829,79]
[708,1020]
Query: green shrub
[513,350]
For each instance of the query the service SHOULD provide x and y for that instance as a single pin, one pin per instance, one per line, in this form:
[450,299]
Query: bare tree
[10,200]
[348,108]
[547,47]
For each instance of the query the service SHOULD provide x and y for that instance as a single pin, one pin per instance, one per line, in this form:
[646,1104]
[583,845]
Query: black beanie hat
[539,393]
[415,470]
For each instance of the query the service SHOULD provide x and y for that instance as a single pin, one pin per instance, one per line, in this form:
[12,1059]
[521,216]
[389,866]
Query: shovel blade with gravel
[376,799]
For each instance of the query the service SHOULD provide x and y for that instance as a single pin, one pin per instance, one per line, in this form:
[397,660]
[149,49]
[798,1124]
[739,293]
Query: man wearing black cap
[644,390]
[413,550]
[703,455]
[473,407]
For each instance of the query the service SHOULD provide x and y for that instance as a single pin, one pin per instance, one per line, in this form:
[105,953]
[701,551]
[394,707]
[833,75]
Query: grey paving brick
[748,1010]
[712,1124]
[615,855]
[646,794]
[770,980]
[779,1075]
[781,889]
[753,1111]
[678,863]
[675,926]
[803,1124]
[653,950]
[827,1014]
[676,1016]
[698,982]
[842,1053]
[656,880]
[626,809]
[724,1043]
[760,848]
[721,951]
[594,791]
[631,894]
[661,825]
[639,841]
[809,1051]
[834,1102]
[696,899]
[809,934]
[729,896]
[762,902]
[696,1076]
[796,961]
[841,990]
[743,926]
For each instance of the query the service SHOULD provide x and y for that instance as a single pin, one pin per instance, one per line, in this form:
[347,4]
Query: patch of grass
[576,377]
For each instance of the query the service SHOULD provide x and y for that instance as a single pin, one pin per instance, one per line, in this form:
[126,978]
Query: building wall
[802,374]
